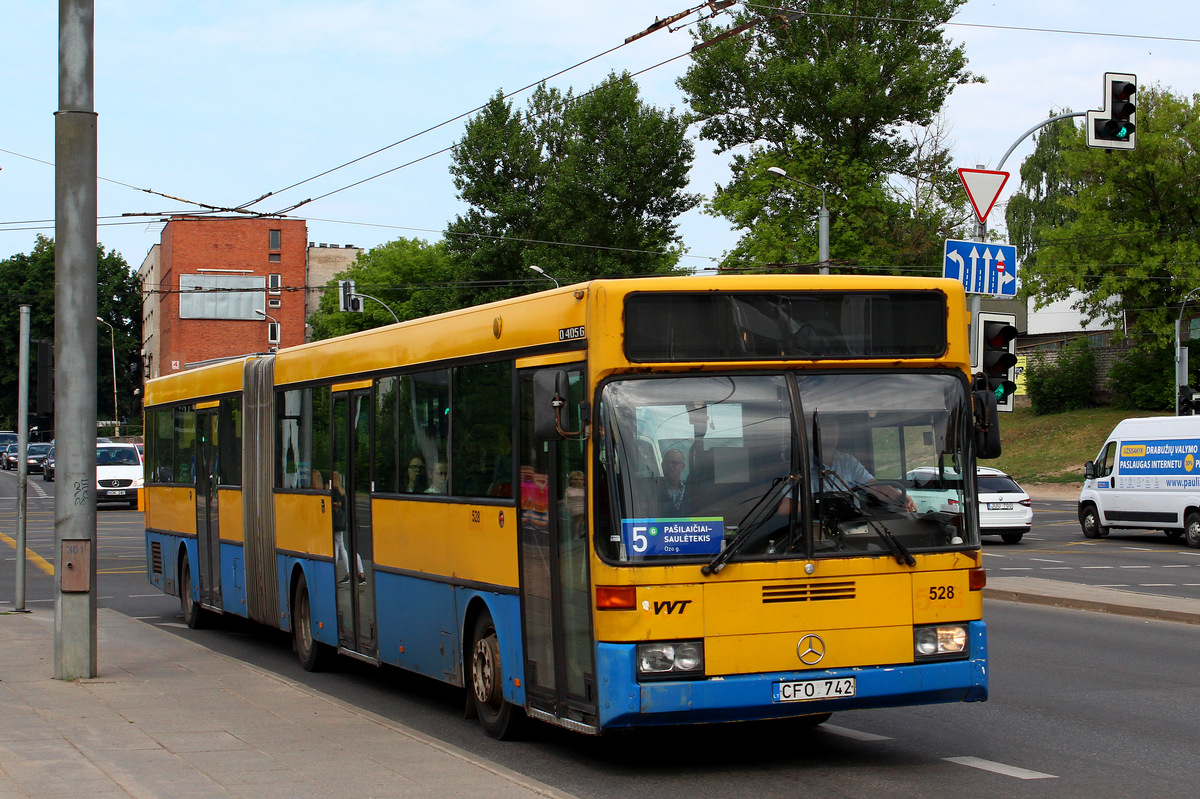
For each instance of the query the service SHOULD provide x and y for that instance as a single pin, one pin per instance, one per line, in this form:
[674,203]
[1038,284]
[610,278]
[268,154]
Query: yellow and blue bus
[480,497]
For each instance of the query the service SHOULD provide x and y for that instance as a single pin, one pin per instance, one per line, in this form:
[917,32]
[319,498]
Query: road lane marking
[1001,768]
[846,732]
[1096,567]
[1046,560]
[44,565]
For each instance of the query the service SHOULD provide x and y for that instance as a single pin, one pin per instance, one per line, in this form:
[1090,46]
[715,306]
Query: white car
[119,473]
[1004,507]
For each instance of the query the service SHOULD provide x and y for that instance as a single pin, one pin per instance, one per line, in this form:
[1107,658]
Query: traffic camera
[995,336]
[1112,127]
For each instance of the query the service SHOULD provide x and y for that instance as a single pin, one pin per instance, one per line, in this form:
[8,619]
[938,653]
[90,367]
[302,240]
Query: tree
[1116,230]
[583,186]
[843,99]
[410,276]
[29,280]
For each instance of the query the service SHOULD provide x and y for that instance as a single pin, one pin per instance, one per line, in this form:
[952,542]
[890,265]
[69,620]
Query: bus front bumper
[624,702]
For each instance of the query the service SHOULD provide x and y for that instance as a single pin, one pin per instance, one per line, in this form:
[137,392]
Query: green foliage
[1145,381]
[413,278]
[28,279]
[1062,384]
[845,101]
[1116,227]
[602,173]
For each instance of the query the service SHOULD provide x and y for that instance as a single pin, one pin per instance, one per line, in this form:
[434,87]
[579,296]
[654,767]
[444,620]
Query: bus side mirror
[551,388]
[987,425]
[1089,471]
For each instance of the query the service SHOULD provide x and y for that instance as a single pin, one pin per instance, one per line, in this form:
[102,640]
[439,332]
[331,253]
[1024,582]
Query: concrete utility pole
[22,450]
[822,218]
[75,343]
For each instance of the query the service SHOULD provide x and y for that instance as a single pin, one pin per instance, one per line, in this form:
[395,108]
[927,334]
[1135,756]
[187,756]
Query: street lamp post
[543,273]
[278,327]
[823,218]
[1181,353]
[112,340]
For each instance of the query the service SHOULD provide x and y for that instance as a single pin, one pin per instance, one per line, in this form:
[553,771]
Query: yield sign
[983,187]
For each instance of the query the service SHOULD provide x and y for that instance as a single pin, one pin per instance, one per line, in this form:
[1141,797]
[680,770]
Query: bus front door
[208,531]
[560,671]
[353,548]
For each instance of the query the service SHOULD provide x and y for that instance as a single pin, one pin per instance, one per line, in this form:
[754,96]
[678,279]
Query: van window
[1104,463]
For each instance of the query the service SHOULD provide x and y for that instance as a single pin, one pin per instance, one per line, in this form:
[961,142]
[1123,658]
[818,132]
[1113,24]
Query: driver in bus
[843,472]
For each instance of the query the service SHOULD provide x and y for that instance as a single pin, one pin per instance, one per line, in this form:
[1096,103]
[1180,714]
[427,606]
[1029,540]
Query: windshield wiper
[765,509]
[898,550]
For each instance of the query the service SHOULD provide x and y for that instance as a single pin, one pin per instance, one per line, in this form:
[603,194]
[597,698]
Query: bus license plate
[1000,506]
[803,690]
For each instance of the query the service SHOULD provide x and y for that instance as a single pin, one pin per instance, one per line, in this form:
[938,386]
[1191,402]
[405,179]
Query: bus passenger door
[560,671]
[353,550]
[208,533]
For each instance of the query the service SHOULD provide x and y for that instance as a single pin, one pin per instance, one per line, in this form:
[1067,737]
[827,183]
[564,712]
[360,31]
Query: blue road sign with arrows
[982,268]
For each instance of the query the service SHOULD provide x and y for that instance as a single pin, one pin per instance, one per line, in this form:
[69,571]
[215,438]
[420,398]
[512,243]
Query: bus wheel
[498,718]
[313,655]
[1089,520]
[193,614]
[1191,530]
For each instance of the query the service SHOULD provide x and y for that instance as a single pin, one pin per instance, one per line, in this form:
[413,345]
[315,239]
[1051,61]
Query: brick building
[218,287]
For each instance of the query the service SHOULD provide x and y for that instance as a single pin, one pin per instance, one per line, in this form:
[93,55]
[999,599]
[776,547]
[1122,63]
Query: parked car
[48,467]
[119,473]
[10,456]
[1004,507]
[34,455]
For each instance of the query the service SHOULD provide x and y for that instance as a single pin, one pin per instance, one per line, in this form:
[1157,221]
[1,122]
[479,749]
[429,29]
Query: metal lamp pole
[278,327]
[112,340]
[823,218]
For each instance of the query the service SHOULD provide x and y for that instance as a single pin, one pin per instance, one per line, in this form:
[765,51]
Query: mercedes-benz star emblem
[810,649]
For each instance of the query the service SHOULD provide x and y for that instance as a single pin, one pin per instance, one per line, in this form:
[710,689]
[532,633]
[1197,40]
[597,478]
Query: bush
[1062,384]
[1144,381]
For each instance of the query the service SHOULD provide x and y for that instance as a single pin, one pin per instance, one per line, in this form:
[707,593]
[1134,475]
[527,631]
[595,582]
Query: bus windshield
[805,465]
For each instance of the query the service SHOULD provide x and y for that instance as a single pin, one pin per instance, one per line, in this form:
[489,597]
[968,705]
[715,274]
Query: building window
[274,283]
[274,237]
[274,303]
[274,257]
[272,332]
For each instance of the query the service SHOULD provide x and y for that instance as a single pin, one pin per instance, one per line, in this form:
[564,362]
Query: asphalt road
[1143,562]
[1082,704]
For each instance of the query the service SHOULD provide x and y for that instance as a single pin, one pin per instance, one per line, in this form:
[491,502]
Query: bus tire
[1089,520]
[498,718]
[1191,530]
[193,614]
[313,655]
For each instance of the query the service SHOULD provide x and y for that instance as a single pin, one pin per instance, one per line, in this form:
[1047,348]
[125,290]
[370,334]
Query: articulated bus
[609,505]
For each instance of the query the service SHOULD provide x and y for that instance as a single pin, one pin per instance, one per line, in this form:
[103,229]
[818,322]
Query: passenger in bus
[671,490]
[415,478]
[577,503]
[439,479]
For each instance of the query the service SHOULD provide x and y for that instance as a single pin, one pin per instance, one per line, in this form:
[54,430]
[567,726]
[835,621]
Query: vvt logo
[670,606]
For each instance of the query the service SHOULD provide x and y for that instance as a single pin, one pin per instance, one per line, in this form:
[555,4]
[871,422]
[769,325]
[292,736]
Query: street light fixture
[542,272]
[823,217]
[278,328]
[112,340]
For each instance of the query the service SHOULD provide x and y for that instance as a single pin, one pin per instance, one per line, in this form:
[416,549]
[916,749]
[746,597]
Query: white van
[1146,477]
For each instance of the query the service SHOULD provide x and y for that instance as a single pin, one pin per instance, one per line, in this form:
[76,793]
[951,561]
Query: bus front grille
[807,592]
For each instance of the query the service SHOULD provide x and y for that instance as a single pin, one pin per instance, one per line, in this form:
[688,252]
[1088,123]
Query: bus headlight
[669,659]
[940,641]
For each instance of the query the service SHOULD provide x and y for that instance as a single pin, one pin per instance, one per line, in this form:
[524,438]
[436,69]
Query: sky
[223,101]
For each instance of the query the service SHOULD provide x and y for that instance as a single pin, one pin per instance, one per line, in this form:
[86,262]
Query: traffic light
[1187,401]
[348,300]
[1113,126]
[995,336]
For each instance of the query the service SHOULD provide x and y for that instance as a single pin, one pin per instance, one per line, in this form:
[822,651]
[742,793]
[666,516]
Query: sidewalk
[166,717]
